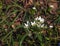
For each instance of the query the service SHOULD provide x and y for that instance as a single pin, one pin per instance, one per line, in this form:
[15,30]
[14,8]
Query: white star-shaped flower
[39,18]
[36,18]
[26,25]
[33,23]
[42,20]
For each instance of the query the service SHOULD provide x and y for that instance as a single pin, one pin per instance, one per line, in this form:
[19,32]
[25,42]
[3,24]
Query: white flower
[36,18]
[39,18]
[51,26]
[33,23]
[42,20]
[52,6]
[26,25]
[34,8]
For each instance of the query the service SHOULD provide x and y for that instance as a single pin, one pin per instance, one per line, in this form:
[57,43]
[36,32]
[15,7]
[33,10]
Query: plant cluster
[29,22]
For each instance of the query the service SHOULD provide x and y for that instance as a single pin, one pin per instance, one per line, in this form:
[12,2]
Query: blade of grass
[11,32]
[22,39]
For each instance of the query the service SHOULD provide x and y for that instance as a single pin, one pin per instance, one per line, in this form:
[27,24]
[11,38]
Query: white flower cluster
[36,22]
[40,19]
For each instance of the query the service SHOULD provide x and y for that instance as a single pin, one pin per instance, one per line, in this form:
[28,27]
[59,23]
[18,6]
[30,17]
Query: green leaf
[1,5]
[39,37]
[47,38]
[22,39]
[14,11]
[32,11]
[57,20]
